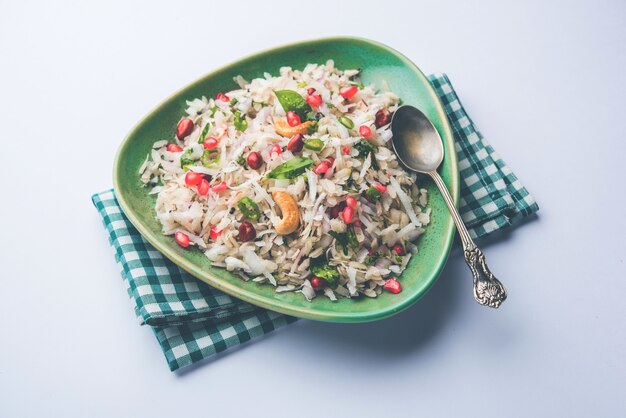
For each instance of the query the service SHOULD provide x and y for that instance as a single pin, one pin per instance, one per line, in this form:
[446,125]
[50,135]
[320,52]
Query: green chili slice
[347,122]
[314,144]
[210,158]
[249,208]
[204,133]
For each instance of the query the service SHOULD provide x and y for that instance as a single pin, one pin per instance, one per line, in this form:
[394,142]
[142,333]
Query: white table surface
[546,84]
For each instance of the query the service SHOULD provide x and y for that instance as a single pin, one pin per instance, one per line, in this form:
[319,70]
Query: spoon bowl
[415,140]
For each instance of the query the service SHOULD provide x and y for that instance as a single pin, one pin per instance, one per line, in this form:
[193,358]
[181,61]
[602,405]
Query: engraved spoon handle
[488,290]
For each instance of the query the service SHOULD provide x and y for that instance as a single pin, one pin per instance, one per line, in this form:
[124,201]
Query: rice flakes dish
[290,180]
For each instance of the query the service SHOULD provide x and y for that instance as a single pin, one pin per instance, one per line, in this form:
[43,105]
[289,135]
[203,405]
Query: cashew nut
[290,214]
[282,128]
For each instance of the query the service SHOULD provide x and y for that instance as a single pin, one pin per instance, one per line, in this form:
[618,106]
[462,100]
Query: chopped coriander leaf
[185,159]
[323,270]
[373,194]
[240,121]
[364,147]
[371,259]
[352,241]
[351,185]
[312,127]
[345,239]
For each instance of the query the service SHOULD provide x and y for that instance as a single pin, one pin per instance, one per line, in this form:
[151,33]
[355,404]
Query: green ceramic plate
[378,62]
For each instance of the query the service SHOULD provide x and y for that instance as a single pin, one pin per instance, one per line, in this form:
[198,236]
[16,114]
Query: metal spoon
[420,148]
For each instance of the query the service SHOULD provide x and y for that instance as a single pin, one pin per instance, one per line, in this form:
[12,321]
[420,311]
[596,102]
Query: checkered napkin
[193,321]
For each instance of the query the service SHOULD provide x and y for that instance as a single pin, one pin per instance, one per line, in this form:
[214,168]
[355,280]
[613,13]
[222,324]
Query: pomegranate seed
[365,131]
[296,143]
[321,168]
[330,160]
[346,150]
[221,96]
[348,92]
[220,187]
[336,210]
[174,148]
[182,239]
[184,128]
[254,160]
[382,117]
[399,249]
[193,179]
[393,286]
[380,187]
[203,187]
[293,119]
[276,149]
[310,91]
[210,143]
[351,202]
[317,283]
[358,223]
[214,233]
[314,100]
[246,232]
[347,214]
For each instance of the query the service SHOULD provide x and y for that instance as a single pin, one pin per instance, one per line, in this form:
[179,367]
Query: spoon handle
[488,290]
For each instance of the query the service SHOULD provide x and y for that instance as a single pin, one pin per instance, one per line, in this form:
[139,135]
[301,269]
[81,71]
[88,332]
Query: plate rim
[259,300]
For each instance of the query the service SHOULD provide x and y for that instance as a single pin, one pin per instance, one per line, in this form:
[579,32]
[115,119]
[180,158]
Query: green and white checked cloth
[193,321]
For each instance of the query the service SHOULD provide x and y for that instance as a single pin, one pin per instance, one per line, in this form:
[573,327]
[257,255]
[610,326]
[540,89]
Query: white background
[546,84]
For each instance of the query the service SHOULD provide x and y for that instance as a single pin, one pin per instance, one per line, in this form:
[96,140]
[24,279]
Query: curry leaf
[291,101]
[290,169]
